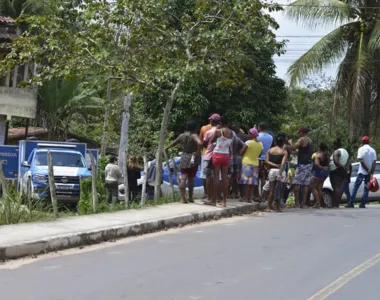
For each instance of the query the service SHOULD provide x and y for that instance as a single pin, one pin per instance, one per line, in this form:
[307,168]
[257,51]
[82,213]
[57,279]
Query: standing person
[303,172]
[113,176]
[267,140]
[236,160]
[221,158]
[250,164]
[288,185]
[288,149]
[338,162]
[367,158]
[134,174]
[276,158]
[320,173]
[202,133]
[346,182]
[239,132]
[207,158]
[190,158]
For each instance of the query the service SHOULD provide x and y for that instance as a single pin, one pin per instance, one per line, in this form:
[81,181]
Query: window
[60,159]
[377,169]
[355,169]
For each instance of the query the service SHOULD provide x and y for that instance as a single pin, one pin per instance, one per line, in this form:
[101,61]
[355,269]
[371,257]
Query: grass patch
[13,210]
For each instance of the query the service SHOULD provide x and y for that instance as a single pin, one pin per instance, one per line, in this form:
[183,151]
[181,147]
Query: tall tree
[16,8]
[59,101]
[161,45]
[356,39]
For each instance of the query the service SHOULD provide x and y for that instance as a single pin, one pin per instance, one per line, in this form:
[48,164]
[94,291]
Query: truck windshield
[60,159]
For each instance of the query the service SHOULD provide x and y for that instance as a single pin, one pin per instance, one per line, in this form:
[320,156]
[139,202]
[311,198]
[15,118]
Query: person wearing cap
[251,152]
[302,177]
[202,133]
[367,158]
[207,169]
[337,168]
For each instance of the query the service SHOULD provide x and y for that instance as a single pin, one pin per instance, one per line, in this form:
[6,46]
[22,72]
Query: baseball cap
[365,139]
[214,117]
[253,131]
[303,130]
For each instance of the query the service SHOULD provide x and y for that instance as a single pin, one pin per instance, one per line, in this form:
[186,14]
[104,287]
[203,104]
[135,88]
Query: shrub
[13,209]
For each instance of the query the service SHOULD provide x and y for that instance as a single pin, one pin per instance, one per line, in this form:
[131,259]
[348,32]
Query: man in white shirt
[367,159]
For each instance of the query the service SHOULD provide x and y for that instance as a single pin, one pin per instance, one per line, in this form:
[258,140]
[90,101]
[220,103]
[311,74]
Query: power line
[300,36]
[326,6]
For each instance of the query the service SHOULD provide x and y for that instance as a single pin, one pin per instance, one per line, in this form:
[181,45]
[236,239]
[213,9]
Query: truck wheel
[327,198]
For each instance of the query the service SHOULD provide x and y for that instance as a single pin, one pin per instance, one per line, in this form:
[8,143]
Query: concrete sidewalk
[35,238]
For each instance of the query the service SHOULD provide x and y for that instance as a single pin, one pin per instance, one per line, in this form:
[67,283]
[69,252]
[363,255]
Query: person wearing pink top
[223,137]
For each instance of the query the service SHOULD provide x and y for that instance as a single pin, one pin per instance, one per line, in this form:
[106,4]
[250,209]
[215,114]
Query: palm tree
[62,100]
[16,8]
[355,40]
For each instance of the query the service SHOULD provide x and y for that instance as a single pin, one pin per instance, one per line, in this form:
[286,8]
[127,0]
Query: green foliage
[62,100]
[311,107]
[7,9]
[13,210]
[356,39]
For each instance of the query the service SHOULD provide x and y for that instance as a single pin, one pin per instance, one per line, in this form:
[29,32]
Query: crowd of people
[255,166]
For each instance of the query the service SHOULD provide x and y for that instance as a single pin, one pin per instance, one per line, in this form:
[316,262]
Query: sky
[300,39]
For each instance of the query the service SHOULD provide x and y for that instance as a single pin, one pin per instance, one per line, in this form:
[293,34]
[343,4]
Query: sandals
[209,203]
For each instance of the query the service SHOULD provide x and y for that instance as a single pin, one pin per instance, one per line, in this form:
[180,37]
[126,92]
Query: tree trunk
[3,182]
[145,181]
[170,174]
[104,142]
[126,184]
[53,194]
[366,115]
[161,142]
[124,130]
[94,191]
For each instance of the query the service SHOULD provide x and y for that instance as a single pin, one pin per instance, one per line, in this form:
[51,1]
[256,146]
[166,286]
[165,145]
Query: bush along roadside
[85,204]
[15,208]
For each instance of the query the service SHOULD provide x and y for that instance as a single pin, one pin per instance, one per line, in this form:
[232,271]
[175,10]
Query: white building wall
[18,102]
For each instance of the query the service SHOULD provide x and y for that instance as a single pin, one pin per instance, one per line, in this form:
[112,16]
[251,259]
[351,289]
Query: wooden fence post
[94,191]
[145,181]
[170,174]
[126,185]
[3,181]
[53,194]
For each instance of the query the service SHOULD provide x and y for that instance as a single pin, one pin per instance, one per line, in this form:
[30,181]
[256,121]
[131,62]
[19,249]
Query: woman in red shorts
[190,159]
[221,158]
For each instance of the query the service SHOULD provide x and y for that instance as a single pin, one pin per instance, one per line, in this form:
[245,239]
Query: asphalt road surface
[300,254]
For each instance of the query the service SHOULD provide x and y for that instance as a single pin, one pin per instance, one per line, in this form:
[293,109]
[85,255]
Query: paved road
[277,256]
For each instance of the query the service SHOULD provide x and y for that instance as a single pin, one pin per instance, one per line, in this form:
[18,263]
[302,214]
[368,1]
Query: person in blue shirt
[267,140]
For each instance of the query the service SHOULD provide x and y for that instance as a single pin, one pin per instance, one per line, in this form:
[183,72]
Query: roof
[19,134]
[16,133]
[7,20]
[7,29]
